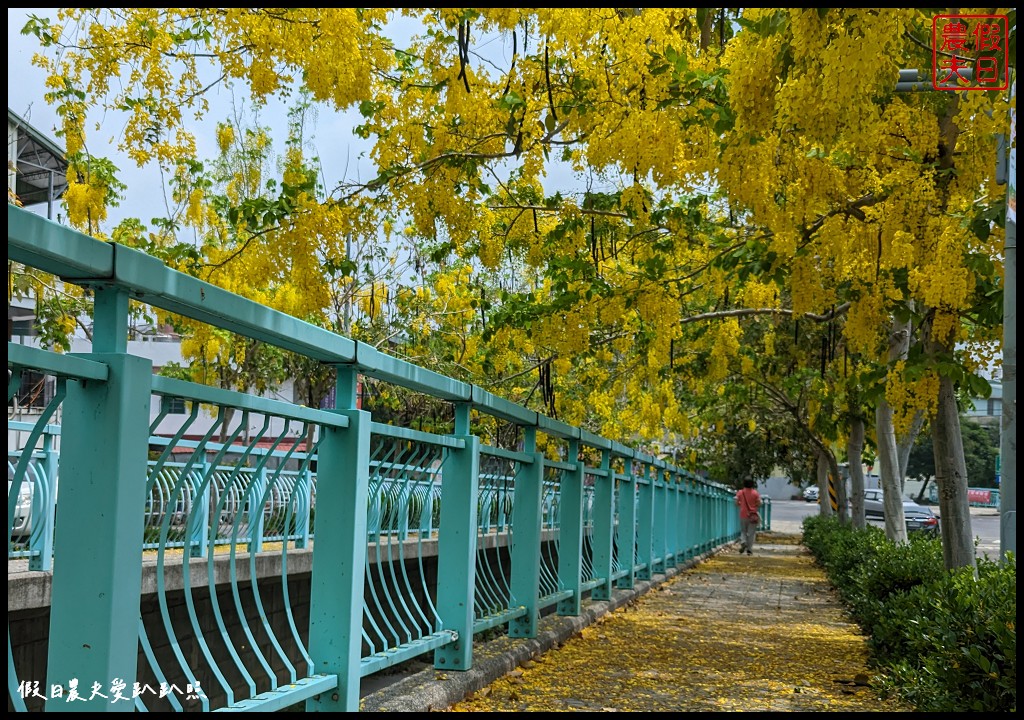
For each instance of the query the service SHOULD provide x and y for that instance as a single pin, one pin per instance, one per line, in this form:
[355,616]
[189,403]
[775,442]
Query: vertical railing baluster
[303,504]
[199,519]
[43,559]
[257,510]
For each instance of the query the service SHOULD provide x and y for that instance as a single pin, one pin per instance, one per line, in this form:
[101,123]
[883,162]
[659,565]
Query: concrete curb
[432,689]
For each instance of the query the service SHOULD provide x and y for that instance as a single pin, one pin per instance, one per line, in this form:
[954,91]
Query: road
[788,516]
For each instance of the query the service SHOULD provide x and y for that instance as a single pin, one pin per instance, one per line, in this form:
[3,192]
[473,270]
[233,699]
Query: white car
[21,526]
[811,493]
[919,518]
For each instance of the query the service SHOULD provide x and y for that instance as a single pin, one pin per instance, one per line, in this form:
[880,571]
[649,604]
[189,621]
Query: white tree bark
[951,478]
[905,442]
[824,494]
[889,471]
[854,453]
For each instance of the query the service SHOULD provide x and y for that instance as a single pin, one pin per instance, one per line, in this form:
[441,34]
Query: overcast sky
[338,149]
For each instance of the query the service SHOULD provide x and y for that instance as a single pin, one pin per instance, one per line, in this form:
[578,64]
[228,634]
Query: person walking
[749,502]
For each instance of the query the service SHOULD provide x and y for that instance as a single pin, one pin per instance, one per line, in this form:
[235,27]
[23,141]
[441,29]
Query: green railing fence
[413,542]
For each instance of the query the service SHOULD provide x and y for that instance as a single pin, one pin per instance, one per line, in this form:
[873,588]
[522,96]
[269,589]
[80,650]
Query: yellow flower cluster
[86,203]
[906,397]
[726,347]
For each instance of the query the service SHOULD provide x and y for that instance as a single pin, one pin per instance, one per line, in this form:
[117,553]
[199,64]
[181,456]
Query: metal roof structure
[38,162]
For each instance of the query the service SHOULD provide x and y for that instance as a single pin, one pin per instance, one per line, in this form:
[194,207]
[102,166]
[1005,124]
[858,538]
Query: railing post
[339,560]
[702,519]
[686,515]
[671,520]
[665,521]
[456,546]
[678,518]
[693,501]
[645,523]
[570,533]
[527,528]
[94,611]
[660,522]
[604,528]
[626,530]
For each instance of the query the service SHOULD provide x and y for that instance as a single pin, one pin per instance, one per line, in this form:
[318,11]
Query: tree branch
[743,312]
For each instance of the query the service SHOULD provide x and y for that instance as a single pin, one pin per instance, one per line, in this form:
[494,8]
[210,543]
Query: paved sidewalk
[729,632]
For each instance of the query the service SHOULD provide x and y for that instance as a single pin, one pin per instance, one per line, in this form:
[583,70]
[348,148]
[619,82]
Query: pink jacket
[748,500]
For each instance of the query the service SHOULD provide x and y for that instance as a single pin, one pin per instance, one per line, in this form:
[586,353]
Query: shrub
[942,641]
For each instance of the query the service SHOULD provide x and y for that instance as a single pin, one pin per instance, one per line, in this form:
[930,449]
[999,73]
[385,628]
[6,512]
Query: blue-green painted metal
[570,541]
[232,505]
[50,363]
[98,541]
[625,530]
[374,363]
[645,522]
[557,428]
[286,695]
[496,491]
[239,401]
[54,248]
[526,547]
[456,561]
[336,591]
[603,531]
[503,409]
[675,553]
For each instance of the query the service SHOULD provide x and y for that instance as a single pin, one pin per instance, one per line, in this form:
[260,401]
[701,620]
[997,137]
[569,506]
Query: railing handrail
[510,531]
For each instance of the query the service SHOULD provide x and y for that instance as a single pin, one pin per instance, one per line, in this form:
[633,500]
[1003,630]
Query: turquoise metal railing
[31,519]
[218,522]
[401,619]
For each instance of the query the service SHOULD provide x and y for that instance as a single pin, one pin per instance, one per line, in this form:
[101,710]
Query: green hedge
[942,641]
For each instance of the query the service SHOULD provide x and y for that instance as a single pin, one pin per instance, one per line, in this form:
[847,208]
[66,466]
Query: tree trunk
[905,442]
[951,479]
[824,492]
[854,451]
[888,467]
[839,484]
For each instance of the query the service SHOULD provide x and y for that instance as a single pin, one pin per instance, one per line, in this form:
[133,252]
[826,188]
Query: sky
[343,156]
[143,198]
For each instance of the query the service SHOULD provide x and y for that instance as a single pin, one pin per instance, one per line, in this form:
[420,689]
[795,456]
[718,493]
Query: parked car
[920,518]
[811,493]
[21,526]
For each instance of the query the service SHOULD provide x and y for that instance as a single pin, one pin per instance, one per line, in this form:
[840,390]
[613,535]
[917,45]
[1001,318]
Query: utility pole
[1008,417]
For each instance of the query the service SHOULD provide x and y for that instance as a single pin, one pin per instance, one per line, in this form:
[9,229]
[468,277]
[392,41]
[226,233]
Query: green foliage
[964,656]
[981,447]
[942,641]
